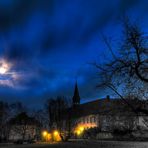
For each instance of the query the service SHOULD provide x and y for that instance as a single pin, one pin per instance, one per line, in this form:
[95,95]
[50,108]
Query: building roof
[104,107]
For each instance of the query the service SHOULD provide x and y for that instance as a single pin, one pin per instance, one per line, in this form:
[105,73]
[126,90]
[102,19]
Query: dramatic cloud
[46,44]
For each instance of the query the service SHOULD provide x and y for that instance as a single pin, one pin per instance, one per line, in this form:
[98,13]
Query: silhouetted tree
[128,65]
[23,125]
[4,116]
[8,111]
[42,117]
[59,116]
[16,108]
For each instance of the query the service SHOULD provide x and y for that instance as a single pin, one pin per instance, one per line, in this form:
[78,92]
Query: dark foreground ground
[83,144]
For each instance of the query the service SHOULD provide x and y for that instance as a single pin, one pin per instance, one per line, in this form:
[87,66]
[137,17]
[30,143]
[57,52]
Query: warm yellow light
[55,133]
[56,136]
[49,136]
[44,133]
[81,128]
[78,132]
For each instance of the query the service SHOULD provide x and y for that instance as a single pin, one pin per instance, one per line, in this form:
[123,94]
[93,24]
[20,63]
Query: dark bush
[122,132]
[91,133]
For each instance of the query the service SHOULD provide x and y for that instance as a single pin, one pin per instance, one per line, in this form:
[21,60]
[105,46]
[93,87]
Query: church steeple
[76,96]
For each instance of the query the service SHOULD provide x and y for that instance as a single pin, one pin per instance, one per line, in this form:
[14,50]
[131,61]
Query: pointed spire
[76,96]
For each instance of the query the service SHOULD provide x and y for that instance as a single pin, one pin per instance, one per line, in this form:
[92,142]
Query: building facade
[24,127]
[106,114]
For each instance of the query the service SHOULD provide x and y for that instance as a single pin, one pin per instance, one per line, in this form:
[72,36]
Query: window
[91,119]
[88,120]
[83,120]
[94,119]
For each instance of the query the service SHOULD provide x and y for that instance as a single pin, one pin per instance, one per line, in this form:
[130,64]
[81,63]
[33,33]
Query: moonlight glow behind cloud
[46,45]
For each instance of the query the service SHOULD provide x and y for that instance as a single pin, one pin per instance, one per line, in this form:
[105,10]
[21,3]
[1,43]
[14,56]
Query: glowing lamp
[56,136]
[78,132]
[56,133]
[81,129]
[49,136]
[45,133]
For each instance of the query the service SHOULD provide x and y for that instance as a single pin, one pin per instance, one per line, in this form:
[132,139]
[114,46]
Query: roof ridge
[101,99]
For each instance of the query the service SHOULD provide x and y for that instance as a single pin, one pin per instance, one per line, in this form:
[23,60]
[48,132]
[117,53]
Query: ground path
[83,144]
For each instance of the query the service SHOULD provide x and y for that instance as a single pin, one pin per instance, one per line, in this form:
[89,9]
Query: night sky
[45,45]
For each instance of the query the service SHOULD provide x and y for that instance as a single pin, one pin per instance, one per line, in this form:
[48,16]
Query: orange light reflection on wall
[81,127]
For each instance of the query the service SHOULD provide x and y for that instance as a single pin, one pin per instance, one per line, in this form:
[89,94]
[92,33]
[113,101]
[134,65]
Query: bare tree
[59,116]
[16,108]
[23,125]
[128,65]
[41,116]
[4,116]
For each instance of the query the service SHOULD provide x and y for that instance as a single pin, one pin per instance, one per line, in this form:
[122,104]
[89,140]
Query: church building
[107,114]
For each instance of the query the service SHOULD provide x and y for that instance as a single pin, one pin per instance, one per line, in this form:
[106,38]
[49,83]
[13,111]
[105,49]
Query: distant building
[106,114]
[23,127]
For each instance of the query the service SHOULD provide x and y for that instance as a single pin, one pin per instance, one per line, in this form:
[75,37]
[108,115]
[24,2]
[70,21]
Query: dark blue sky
[46,44]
